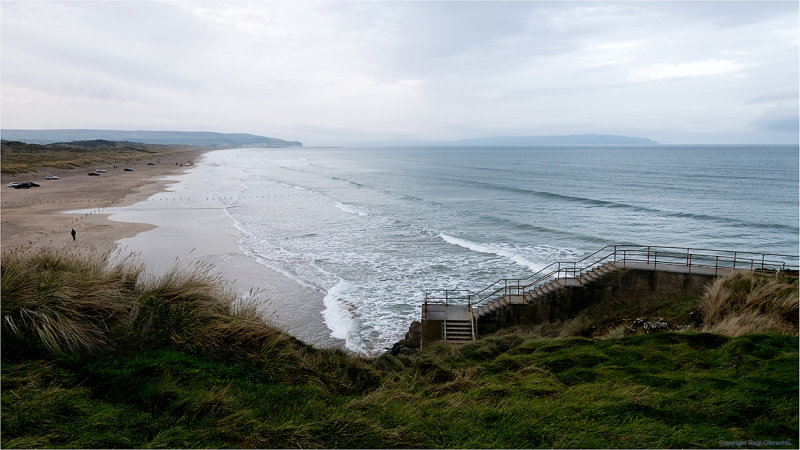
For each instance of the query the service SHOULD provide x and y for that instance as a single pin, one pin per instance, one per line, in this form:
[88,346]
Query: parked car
[128,169]
[51,177]
[13,184]
[25,185]
[100,170]
[94,174]
[151,164]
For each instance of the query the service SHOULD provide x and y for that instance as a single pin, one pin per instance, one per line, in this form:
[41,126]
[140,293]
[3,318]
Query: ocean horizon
[370,230]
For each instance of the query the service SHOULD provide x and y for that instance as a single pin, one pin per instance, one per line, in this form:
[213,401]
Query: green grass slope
[96,356]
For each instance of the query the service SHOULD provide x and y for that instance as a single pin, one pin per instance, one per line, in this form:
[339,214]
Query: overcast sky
[330,73]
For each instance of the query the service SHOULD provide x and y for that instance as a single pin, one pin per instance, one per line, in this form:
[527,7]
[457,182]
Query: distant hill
[199,138]
[519,141]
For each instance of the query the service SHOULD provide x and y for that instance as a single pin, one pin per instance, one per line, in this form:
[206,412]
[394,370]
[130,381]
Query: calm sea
[371,229]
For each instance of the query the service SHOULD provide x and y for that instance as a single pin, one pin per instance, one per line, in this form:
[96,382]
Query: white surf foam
[492,250]
[350,209]
[339,316]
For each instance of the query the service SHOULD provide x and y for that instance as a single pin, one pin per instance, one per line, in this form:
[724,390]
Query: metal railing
[445,296]
[626,255]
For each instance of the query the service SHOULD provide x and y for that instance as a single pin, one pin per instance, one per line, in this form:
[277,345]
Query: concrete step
[458,331]
[459,336]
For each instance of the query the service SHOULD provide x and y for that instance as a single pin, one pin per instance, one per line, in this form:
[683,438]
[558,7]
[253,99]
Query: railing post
[716,265]
[762,261]
[734,260]
[615,253]
[648,254]
[655,260]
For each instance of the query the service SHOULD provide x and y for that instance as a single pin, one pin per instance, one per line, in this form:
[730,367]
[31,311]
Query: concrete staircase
[457,321]
[454,314]
[458,330]
[593,275]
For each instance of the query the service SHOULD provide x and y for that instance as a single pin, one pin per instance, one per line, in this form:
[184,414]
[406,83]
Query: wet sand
[162,215]
[33,218]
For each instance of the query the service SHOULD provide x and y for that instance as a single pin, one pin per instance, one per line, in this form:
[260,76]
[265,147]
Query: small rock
[414,335]
[410,343]
[643,325]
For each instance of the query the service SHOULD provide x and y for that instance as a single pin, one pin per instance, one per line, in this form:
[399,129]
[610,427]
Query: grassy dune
[19,157]
[99,356]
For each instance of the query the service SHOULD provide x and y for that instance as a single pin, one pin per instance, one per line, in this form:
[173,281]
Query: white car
[51,177]
[100,170]
[13,184]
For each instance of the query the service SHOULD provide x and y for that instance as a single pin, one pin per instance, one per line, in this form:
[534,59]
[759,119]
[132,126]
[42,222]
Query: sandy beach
[34,218]
[148,213]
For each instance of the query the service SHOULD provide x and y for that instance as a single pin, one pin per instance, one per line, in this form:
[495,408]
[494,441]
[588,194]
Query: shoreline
[40,217]
[135,213]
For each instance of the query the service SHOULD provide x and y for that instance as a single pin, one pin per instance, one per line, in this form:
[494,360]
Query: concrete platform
[438,311]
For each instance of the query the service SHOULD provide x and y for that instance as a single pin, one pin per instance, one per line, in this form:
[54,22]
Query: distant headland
[199,138]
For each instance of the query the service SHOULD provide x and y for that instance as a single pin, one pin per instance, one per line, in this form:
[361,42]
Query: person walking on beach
[73,233]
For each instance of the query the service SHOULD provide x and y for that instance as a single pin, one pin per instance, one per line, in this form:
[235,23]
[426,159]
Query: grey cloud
[779,121]
[399,68]
[783,96]
[723,14]
[119,40]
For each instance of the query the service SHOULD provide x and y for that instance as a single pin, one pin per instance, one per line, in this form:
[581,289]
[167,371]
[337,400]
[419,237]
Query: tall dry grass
[71,304]
[751,302]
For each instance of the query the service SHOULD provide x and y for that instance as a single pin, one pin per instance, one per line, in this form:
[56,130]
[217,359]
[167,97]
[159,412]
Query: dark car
[94,174]
[25,185]
[128,169]
[151,164]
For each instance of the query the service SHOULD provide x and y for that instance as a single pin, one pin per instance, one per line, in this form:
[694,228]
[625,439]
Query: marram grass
[751,302]
[99,356]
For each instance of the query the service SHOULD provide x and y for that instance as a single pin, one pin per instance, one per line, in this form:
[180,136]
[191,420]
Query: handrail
[625,254]
[445,294]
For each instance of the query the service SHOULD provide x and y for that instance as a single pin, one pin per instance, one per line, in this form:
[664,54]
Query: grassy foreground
[97,356]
